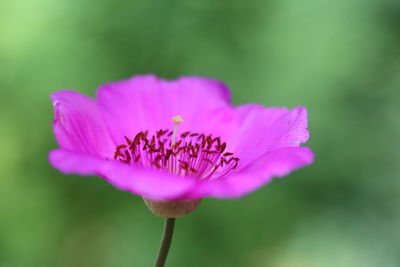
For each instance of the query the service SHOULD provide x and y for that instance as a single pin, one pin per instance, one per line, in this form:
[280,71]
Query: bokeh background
[340,59]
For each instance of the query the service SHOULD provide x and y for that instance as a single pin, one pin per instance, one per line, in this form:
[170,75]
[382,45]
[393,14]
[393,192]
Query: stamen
[176,120]
[196,155]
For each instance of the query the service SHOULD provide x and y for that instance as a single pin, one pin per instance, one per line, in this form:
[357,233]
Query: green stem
[165,242]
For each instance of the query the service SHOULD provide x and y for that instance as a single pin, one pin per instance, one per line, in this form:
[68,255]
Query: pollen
[190,154]
[177,119]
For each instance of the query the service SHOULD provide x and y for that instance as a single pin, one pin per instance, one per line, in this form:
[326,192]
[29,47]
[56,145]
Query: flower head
[210,148]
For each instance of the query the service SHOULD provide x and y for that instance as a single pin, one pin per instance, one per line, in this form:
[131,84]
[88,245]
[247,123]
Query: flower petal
[148,183]
[276,163]
[148,103]
[260,130]
[78,124]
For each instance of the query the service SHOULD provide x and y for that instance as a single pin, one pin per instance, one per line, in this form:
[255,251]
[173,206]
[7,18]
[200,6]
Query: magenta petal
[148,103]
[276,163]
[78,124]
[263,129]
[292,129]
[144,182]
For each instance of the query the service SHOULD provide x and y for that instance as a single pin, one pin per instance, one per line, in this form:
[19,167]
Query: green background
[340,59]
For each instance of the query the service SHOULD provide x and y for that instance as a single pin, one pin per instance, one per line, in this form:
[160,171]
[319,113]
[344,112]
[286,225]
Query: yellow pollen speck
[177,119]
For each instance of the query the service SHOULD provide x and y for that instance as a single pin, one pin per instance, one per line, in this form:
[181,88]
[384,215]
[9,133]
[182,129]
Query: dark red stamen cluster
[193,154]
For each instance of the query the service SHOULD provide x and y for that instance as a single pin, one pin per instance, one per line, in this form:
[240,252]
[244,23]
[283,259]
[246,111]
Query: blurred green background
[340,59]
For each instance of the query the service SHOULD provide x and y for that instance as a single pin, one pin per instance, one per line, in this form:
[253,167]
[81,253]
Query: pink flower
[126,137]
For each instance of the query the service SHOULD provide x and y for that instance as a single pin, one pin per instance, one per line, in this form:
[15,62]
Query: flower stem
[165,242]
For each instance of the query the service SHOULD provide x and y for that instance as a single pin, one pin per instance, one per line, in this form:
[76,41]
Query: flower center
[190,154]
